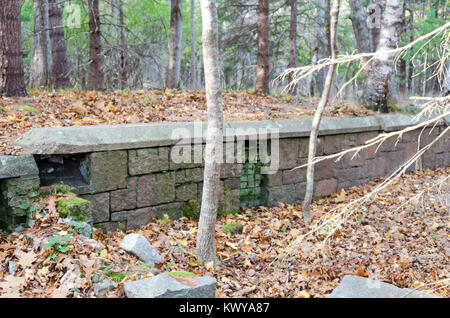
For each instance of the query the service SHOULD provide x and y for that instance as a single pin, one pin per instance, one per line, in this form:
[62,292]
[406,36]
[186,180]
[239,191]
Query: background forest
[138,31]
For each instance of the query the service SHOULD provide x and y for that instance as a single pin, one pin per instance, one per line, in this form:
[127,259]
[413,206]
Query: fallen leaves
[396,243]
[71,108]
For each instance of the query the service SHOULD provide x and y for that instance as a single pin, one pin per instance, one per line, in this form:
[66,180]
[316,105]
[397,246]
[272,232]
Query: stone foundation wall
[127,174]
[19,185]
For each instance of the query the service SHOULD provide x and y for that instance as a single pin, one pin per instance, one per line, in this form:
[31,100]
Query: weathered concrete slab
[360,287]
[167,286]
[85,139]
[19,166]
[391,122]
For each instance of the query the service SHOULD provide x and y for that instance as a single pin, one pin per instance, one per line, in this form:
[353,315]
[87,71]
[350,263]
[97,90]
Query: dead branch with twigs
[434,112]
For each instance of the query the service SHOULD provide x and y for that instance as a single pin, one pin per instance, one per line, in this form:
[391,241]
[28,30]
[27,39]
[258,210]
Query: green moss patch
[181,274]
[75,207]
[233,228]
[191,209]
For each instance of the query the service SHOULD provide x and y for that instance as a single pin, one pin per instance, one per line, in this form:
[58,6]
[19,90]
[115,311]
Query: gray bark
[375,31]
[293,43]
[320,108]
[360,28]
[323,36]
[377,84]
[173,68]
[214,141]
[40,64]
[193,68]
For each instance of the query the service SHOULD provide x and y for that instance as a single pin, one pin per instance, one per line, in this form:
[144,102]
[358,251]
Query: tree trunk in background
[262,70]
[446,83]
[320,108]
[360,28]
[376,87]
[95,46]
[375,31]
[176,33]
[123,50]
[12,82]
[323,36]
[206,250]
[310,81]
[293,43]
[58,44]
[39,64]
[192,72]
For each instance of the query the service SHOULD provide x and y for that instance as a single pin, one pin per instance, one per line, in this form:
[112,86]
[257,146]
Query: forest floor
[392,238]
[72,108]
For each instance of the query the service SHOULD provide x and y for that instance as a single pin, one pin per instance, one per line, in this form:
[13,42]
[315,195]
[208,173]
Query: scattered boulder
[102,288]
[12,267]
[81,227]
[361,287]
[139,246]
[168,286]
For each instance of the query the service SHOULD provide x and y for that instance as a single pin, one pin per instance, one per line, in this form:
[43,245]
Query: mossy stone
[74,207]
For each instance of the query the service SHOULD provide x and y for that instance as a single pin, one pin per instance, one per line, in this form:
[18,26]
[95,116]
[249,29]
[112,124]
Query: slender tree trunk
[293,44]
[123,50]
[320,108]
[40,66]
[95,45]
[377,84]
[176,33]
[323,36]
[311,83]
[263,63]
[11,64]
[360,28]
[193,70]
[446,83]
[58,44]
[214,141]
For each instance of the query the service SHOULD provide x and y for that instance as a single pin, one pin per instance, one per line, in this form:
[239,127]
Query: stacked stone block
[130,188]
[19,186]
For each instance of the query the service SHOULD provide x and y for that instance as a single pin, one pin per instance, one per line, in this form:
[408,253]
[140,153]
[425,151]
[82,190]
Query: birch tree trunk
[375,30]
[377,84]
[293,43]
[263,63]
[320,108]
[95,47]
[12,82]
[58,44]
[193,69]
[176,32]
[40,65]
[214,141]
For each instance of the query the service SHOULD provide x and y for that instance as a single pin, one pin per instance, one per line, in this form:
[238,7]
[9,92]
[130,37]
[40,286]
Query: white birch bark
[377,84]
[213,153]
